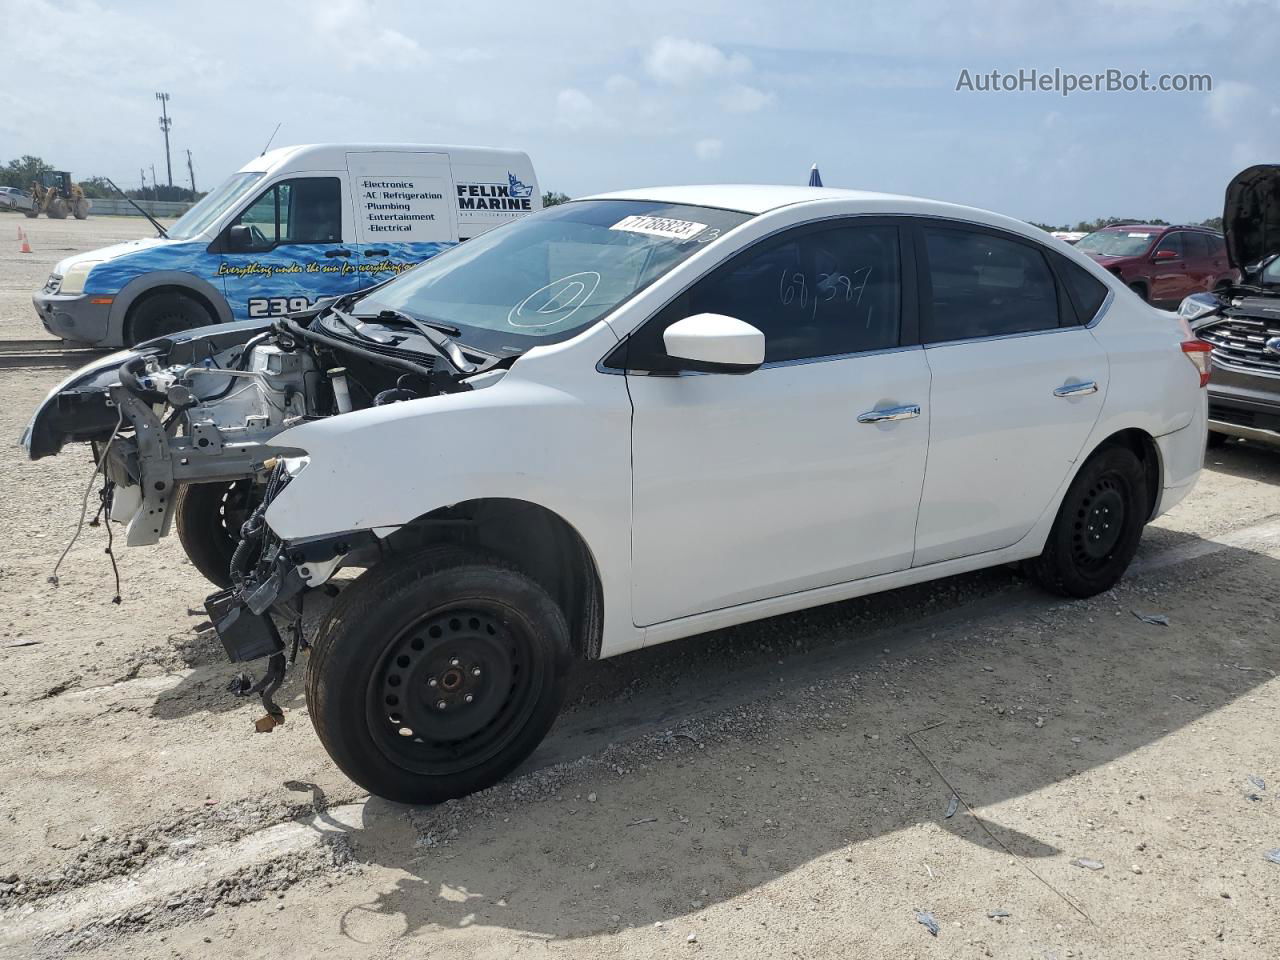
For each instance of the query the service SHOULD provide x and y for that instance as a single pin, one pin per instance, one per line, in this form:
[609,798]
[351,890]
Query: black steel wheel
[1098,527]
[163,314]
[209,517]
[437,674]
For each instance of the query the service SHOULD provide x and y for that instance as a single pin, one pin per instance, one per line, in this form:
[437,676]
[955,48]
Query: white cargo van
[291,226]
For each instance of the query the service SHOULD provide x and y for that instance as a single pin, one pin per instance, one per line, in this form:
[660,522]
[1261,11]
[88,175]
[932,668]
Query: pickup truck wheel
[162,314]
[209,517]
[437,674]
[1098,526]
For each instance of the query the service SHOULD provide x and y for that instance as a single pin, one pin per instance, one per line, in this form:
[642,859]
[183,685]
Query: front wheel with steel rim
[1098,526]
[435,675]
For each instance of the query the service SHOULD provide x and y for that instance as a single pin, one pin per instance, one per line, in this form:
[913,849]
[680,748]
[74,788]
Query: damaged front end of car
[207,407]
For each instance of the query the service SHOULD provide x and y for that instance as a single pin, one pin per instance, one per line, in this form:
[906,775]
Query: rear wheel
[1098,526]
[437,674]
[163,314]
[81,209]
[209,517]
[31,214]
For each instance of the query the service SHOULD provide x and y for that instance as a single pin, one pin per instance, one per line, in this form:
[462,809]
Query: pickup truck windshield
[213,205]
[545,277]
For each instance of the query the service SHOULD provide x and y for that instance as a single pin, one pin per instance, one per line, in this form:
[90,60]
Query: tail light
[1197,351]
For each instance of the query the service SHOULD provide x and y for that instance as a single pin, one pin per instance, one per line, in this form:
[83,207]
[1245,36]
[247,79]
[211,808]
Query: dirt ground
[782,789]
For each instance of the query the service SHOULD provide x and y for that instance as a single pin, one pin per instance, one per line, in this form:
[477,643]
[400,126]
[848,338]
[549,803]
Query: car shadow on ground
[873,721]
[1246,460]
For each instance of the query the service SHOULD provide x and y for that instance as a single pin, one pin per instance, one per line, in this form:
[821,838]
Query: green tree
[20,173]
[1213,223]
[551,198]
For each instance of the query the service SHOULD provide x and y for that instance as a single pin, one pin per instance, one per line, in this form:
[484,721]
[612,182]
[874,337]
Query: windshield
[1271,273]
[1117,243]
[546,276]
[213,205]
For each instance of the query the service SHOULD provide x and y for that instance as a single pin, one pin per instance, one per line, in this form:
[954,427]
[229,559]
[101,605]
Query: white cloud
[1229,102]
[350,33]
[708,149]
[619,84]
[741,98]
[678,61]
[577,111]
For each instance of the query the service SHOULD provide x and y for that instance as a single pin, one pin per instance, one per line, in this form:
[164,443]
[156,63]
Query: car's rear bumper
[83,319]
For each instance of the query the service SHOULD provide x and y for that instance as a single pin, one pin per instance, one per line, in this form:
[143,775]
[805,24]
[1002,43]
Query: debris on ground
[1257,781]
[998,914]
[952,806]
[1087,863]
[926,920]
[1273,855]
[1158,619]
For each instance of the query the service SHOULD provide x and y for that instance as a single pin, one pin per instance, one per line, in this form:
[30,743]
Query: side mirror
[239,239]
[1166,255]
[714,343]
[1199,307]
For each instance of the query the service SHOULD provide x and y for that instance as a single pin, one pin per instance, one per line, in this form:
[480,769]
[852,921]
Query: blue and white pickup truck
[292,226]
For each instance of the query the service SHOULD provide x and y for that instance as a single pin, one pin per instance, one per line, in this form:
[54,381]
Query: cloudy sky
[622,94]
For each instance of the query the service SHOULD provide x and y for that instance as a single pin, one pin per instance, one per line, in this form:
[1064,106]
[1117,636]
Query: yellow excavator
[55,195]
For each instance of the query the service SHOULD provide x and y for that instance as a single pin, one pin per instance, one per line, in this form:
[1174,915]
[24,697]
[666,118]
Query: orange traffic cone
[26,245]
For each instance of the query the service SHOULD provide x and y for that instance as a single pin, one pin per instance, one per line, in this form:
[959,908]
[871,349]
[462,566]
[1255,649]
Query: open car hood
[1251,215]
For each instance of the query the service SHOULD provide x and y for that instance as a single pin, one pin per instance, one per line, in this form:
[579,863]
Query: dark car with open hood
[1243,321]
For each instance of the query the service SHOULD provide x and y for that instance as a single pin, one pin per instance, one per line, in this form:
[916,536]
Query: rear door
[403,210]
[1199,261]
[1017,385]
[300,248]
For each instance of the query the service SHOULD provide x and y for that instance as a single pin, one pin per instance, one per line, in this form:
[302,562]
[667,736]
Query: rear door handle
[1076,389]
[337,253]
[907,411]
[377,253]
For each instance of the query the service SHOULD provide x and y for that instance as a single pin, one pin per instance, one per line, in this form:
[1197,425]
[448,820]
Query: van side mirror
[714,343]
[239,239]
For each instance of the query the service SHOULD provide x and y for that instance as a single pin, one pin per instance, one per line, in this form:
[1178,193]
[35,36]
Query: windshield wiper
[355,325]
[436,333]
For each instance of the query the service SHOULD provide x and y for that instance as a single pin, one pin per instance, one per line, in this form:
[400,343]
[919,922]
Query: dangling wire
[84,503]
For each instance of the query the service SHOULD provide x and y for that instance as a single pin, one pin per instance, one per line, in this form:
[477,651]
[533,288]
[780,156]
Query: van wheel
[437,674]
[209,517]
[1098,526]
[163,314]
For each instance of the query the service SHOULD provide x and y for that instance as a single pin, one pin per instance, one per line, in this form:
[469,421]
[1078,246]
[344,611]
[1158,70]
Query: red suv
[1163,264]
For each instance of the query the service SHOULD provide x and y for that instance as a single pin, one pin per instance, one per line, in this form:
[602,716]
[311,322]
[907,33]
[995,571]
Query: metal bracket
[155,470]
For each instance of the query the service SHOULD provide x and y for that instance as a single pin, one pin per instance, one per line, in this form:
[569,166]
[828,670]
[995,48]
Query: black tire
[1216,439]
[1098,526]
[31,214]
[57,209]
[162,314]
[1141,290]
[430,629]
[209,516]
[80,210]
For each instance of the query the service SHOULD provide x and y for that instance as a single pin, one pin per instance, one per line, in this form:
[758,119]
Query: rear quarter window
[1086,291]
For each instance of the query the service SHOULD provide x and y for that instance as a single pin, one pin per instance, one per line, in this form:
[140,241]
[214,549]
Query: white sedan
[646,415]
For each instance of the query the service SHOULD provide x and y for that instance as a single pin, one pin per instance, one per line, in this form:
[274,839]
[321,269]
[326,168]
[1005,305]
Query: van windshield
[544,277]
[213,205]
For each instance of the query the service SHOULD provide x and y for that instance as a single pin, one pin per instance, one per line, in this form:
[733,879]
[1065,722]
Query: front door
[1016,389]
[753,486]
[298,250]
[1169,278]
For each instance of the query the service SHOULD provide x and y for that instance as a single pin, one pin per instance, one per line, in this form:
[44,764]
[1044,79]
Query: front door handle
[337,253]
[1076,389]
[907,411]
[377,253]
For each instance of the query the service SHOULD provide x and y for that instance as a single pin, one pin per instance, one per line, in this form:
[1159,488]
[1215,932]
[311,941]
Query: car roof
[746,197]
[333,156]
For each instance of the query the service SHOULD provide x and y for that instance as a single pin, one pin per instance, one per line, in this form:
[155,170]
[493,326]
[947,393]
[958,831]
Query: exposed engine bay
[204,407]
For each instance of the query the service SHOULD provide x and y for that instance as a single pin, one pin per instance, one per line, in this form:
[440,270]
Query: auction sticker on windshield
[660,227]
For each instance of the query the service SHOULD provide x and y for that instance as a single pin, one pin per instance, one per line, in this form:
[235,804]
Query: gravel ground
[780,789]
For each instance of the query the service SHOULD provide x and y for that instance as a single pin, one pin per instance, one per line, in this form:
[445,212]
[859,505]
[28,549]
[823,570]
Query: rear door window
[983,285]
[1086,291]
[1195,245]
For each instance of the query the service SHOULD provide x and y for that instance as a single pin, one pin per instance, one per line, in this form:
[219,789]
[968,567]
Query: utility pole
[154,183]
[165,124]
[191,170]
[142,175]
